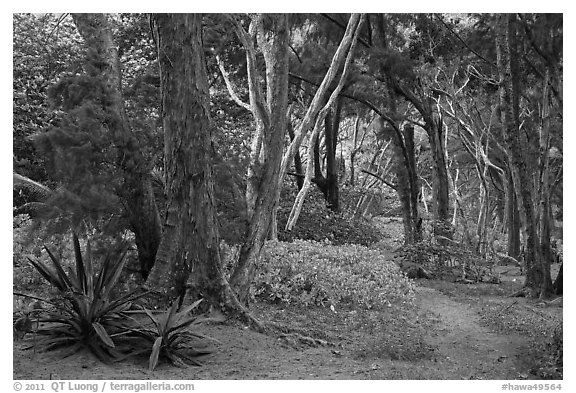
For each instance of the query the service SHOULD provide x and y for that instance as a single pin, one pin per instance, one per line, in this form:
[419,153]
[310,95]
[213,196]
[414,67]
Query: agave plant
[171,336]
[87,316]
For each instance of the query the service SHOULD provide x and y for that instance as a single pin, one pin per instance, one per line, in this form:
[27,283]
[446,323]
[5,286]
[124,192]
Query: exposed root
[294,336]
[231,306]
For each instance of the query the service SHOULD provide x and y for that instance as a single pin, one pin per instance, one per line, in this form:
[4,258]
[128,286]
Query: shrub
[169,337]
[86,315]
[314,273]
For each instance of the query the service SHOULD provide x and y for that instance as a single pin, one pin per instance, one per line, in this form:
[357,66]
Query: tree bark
[190,240]
[315,106]
[297,207]
[136,193]
[297,159]
[273,38]
[331,141]
[434,128]
[506,48]
[558,282]
[190,245]
[512,219]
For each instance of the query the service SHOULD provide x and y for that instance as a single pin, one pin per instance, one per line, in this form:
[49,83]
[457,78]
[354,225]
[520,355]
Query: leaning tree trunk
[274,41]
[558,282]
[136,192]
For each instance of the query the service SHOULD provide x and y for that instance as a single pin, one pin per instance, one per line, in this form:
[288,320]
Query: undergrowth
[322,274]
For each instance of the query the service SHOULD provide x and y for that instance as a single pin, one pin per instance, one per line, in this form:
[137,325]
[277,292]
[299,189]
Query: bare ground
[452,331]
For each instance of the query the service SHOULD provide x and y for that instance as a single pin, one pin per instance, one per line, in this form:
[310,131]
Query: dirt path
[466,349]
[451,344]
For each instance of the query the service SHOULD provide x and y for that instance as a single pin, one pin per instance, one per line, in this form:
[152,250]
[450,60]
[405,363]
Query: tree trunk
[536,282]
[190,240]
[297,207]
[136,193]
[558,282]
[512,219]
[273,40]
[414,185]
[319,178]
[405,164]
[331,141]
[312,112]
[190,245]
[297,159]
[441,189]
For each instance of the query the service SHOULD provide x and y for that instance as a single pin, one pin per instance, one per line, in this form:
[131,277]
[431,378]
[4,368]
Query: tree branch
[492,64]
[229,85]
[392,186]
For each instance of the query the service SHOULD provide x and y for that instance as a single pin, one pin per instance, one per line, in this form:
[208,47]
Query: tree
[538,280]
[315,115]
[92,146]
[45,47]
[190,242]
[272,34]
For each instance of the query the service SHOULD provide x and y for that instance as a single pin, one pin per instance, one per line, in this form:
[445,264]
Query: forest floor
[452,331]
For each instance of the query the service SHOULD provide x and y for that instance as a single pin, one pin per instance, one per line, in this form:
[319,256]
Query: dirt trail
[466,349]
[456,346]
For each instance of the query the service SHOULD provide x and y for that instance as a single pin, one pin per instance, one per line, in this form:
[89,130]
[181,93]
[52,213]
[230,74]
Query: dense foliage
[322,274]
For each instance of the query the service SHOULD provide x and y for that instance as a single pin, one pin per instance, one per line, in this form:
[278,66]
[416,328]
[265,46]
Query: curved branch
[230,85]
[392,186]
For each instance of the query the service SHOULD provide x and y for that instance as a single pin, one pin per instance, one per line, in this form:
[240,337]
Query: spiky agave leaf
[62,276]
[155,355]
[80,268]
[48,275]
[103,334]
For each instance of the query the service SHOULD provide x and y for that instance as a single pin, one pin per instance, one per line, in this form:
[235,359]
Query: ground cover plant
[322,274]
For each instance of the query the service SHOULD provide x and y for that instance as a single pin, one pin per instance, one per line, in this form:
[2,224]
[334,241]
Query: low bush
[322,274]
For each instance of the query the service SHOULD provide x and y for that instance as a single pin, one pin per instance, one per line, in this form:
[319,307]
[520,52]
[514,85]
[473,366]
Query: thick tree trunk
[103,62]
[190,240]
[190,245]
[274,40]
